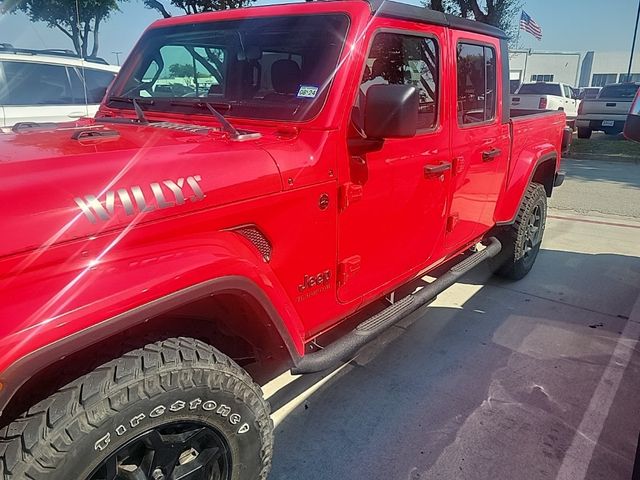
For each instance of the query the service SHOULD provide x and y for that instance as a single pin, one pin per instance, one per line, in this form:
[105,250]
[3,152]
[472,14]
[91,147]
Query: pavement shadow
[490,386]
[625,173]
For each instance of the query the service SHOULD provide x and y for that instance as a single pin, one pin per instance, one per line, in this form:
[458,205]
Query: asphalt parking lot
[536,379]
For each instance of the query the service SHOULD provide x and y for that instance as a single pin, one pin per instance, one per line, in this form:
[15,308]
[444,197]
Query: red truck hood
[55,188]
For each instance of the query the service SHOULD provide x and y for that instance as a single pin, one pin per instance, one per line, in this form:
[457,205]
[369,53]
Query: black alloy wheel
[178,451]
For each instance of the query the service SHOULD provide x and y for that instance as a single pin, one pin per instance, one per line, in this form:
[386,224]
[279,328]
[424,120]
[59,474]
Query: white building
[535,66]
[601,68]
[590,69]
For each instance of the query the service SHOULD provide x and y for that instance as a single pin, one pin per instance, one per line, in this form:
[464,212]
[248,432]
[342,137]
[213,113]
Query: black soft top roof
[403,11]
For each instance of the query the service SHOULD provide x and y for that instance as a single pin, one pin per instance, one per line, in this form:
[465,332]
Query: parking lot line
[578,457]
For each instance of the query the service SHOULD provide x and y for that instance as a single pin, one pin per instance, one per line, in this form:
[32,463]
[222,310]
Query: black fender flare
[552,156]
[14,377]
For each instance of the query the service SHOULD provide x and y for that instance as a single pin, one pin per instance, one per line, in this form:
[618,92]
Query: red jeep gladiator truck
[253,179]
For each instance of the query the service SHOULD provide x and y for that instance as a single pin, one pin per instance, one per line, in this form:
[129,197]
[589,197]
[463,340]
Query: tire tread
[38,441]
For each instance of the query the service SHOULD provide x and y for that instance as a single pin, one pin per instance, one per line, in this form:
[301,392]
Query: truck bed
[535,135]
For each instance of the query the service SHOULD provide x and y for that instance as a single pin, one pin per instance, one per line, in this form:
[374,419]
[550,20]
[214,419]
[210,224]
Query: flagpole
[526,54]
[633,45]
[519,29]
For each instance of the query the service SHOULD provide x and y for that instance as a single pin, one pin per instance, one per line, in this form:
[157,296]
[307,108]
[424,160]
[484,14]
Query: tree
[499,13]
[81,25]
[181,70]
[190,7]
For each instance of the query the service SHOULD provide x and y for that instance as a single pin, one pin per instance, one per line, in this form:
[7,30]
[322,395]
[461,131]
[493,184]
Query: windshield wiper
[234,134]
[136,107]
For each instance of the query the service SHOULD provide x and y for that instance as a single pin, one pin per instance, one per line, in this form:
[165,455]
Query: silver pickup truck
[608,112]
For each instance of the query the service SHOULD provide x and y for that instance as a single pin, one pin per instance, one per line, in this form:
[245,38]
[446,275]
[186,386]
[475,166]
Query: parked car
[155,255]
[588,93]
[547,96]
[50,85]
[608,112]
[632,125]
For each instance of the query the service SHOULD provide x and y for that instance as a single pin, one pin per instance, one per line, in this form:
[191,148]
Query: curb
[604,156]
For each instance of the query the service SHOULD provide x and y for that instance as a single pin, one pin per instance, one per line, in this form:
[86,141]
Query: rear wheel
[521,241]
[176,409]
[584,132]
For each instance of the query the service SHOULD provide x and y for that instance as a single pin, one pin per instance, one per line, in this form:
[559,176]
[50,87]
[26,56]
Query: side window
[404,60]
[35,84]
[476,66]
[96,81]
[567,91]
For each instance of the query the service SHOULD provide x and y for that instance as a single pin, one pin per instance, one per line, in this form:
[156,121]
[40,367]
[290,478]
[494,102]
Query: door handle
[436,170]
[489,155]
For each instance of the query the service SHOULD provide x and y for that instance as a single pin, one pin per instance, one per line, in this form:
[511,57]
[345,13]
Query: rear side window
[476,67]
[540,89]
[35,84]
[96,82]
[405,60]
[619,91]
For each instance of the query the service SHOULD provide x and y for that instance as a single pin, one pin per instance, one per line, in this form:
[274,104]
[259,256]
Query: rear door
[38,92]
[396,225]
[479,138]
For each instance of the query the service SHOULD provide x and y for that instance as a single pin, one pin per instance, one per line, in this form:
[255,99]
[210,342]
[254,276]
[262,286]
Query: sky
[567,25]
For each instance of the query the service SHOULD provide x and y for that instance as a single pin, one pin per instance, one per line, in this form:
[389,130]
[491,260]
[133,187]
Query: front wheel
[521,241]
[176,409]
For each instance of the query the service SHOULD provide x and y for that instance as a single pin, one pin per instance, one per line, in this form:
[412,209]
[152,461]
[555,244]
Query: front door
[479,139]
[396,217]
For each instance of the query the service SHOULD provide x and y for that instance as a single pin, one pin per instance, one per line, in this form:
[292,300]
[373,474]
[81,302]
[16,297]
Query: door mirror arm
[361,146]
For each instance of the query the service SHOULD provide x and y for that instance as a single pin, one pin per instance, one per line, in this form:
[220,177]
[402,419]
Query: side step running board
[345,347]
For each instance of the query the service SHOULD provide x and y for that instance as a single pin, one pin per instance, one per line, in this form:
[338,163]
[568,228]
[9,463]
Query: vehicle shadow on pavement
[491,381]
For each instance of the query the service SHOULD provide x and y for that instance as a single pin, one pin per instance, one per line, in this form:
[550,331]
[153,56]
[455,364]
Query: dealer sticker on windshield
[307,91]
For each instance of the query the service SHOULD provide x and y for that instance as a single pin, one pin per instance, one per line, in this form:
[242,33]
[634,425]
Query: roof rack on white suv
[57,52]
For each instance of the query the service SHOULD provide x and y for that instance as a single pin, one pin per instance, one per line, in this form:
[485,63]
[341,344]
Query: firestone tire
[584,132]
[171,409]
[521,241]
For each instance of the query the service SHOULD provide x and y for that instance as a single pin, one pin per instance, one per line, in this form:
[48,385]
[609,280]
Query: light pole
[633,45]
[117,54]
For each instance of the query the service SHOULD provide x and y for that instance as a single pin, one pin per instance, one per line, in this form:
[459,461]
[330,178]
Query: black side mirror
[632,125]
[391,111]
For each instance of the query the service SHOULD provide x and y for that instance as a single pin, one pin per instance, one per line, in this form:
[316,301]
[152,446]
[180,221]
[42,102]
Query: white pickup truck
[547,96]
[608,112]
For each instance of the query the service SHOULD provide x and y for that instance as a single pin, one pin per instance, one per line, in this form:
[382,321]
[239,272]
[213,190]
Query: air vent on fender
[255,236]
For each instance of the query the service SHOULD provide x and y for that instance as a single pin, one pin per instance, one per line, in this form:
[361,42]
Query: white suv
[50,85]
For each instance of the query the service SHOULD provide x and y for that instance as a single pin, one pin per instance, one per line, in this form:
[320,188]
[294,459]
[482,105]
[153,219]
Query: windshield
[540,89]
[269,68]
[619,91]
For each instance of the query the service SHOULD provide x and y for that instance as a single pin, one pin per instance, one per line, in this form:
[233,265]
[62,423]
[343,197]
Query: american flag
[529,25]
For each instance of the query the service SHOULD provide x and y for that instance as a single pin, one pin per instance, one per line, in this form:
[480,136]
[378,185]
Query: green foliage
[181,70]
[499,13]
[190,7]
[78,19]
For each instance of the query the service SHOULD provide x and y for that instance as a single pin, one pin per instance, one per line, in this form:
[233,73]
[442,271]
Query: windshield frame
[161,105]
